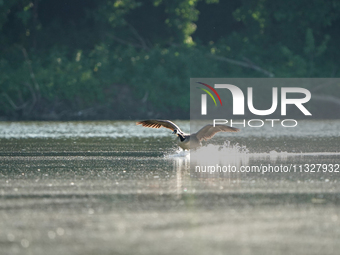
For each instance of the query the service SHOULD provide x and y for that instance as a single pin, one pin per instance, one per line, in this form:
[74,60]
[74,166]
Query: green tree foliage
[133,58]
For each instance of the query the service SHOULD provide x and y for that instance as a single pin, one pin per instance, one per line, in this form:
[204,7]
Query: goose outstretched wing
[209,131]
[158,124]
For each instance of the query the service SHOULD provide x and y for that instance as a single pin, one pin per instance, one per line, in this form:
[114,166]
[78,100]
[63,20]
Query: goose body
[188,141]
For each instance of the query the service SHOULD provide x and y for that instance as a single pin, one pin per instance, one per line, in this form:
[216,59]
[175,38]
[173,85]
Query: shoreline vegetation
[130,59]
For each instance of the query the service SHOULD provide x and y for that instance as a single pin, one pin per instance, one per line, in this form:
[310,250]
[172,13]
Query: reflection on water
[118,188]
[105,129]
[115,129]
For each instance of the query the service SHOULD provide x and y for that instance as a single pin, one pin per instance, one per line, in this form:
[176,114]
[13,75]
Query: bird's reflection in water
[181,167]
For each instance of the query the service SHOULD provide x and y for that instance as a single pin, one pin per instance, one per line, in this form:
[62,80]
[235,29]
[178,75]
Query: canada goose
[187,141]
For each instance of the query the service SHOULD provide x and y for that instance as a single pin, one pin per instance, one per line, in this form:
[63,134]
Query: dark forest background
[127,59]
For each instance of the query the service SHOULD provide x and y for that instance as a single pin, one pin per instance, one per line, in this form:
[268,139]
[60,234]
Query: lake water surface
[117,188]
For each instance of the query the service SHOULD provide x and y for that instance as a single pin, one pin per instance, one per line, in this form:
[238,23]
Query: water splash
[284,155]
[236,154]
[225,154]
[179,154]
